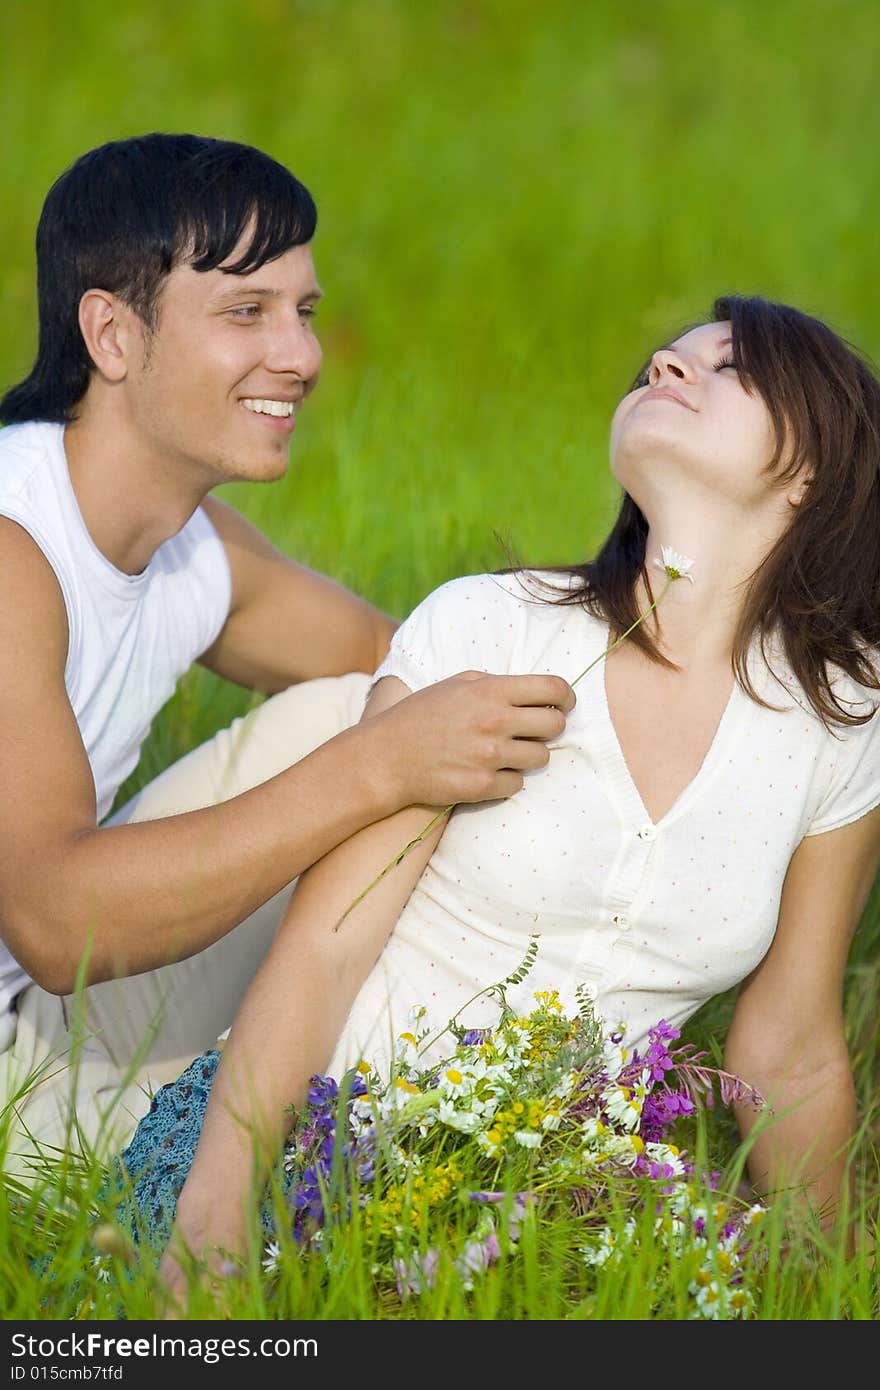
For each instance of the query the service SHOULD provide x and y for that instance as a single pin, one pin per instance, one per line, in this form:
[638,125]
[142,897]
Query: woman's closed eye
[644,376]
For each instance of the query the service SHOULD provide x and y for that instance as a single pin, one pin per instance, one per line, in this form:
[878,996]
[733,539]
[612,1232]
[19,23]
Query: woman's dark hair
[122,217]
[818,590]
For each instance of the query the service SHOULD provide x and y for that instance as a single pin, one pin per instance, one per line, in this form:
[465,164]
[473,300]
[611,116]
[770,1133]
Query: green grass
[516,204]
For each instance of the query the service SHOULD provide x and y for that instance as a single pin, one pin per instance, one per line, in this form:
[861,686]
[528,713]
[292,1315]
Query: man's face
[227,368]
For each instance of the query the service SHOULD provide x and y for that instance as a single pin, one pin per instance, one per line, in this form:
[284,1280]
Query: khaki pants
[80,1073]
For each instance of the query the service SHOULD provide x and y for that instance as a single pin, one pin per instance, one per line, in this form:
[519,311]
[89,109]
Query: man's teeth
[264,407]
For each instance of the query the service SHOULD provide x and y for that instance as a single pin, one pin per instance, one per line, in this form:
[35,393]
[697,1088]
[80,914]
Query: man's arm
[141,895]
[787,1033]
[286,622]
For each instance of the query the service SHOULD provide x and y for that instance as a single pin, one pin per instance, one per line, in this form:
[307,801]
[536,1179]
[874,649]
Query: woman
[707,817]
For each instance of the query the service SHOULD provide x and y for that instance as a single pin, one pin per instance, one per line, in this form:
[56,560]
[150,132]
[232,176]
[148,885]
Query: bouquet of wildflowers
[446,1163]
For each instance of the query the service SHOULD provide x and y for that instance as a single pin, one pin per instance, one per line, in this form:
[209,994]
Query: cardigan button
[621,920]
[647,832]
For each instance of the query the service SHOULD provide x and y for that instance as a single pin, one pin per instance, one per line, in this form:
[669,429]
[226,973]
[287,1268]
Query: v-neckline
[618,768]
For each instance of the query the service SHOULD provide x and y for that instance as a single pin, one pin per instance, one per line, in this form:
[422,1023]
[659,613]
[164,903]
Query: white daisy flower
[565,1086]
[614,1059]
[528,1138]
[609,1246]
[406,1050]
[617,1149]
[465,1121]
[600,1253]
[672,1231]
[271,1256]
[454,1083]
[671,1158]
[489,1146]
[622,1107]
[741,1303]
[675,566]
[593,1130]
[708,1295]
[754,1215]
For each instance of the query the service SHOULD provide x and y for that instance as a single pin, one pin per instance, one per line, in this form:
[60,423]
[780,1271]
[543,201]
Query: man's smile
[263,405]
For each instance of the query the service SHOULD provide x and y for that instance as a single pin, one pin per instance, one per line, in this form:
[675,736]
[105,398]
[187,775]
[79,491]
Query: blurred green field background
[516,204]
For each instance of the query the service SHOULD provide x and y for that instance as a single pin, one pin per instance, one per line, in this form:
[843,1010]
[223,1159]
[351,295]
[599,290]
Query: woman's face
[691,419]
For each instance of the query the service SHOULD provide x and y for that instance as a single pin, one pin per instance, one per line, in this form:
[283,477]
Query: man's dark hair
[122,218]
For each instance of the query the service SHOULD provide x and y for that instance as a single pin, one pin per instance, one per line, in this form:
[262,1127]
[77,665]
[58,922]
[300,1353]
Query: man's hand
[470,737]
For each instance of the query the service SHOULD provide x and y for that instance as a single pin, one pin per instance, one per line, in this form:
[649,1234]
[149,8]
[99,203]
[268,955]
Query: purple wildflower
[650,1168]
[417,1274]
[658,1061]
[474,1036]
[318,1141]
[657,1058]
[308,1204]
[521,1203]
[660,1111]
[478,1255]
[323,1090]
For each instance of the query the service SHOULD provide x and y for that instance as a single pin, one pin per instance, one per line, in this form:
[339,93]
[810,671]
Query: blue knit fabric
[161,1151]
[159,1157]
[144,1182]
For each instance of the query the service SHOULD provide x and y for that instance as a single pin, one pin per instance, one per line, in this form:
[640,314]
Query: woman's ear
[106,325]
[799,487]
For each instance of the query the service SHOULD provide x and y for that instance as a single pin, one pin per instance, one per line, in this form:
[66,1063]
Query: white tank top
[131,636]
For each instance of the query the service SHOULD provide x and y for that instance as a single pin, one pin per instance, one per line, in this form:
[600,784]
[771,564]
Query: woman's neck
[698,617]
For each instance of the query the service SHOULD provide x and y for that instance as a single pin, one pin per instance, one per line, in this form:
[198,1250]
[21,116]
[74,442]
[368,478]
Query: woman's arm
[787,1033]
[292,1015]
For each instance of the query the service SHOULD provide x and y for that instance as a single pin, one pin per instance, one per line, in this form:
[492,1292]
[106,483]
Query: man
[176,291]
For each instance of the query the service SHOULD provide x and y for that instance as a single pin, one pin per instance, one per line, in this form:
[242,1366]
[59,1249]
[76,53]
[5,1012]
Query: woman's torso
[650,918]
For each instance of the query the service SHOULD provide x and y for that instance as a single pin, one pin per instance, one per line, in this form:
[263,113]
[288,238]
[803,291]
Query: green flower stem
[394,862]
[670,579]
[671,576]
[436,1036]
[516,977]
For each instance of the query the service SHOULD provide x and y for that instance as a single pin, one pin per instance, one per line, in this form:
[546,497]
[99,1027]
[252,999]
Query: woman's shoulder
[539,593]
[774,678]
[496,622]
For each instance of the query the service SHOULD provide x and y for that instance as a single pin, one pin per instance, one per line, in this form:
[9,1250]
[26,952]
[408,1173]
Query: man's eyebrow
[247,292]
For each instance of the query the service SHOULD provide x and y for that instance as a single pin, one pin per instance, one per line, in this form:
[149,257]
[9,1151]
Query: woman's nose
[667,362]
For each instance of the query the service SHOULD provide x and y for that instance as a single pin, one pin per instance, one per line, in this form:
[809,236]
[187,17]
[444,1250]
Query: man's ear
[109,332]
